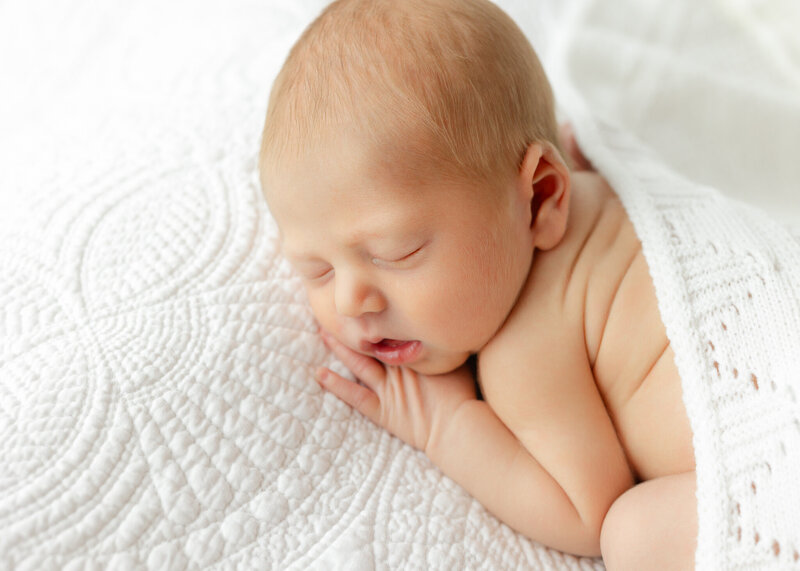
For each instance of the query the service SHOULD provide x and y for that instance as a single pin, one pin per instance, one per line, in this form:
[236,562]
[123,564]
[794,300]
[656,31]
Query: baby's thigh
[652,526]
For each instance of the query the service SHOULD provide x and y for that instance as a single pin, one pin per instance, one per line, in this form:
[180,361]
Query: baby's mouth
[393,351]
[391,343]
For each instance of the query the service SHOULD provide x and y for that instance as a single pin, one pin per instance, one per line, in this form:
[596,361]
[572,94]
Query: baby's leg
[652,526]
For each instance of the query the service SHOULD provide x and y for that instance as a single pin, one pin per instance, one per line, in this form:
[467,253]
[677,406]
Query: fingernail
[321,374]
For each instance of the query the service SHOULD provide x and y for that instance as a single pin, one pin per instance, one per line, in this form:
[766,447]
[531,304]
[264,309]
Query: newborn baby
[412,162]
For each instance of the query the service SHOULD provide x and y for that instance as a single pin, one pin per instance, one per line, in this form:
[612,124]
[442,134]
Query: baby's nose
[354,297]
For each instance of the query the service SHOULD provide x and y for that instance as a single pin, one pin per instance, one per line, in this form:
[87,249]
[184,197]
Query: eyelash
[318,278]
[404,258]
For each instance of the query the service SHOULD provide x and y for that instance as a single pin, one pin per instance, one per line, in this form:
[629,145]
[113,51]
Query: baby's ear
[544,178]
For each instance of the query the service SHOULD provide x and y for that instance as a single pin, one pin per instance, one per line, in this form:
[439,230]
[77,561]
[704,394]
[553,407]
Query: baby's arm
[479,452]
[464,437]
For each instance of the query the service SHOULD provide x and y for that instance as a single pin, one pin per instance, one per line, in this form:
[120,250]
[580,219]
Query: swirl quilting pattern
[156,403]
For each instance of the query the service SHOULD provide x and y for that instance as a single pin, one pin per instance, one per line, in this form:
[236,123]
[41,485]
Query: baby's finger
[357,396]
[366,369]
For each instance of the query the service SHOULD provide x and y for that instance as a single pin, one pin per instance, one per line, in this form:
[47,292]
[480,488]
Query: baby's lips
[366,346]
[396,352]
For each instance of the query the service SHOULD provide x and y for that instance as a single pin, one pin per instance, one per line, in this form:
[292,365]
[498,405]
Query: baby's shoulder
[556,324]
[537,354]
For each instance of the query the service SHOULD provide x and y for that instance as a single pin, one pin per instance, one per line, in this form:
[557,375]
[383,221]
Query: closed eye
[407,257]
[317,276]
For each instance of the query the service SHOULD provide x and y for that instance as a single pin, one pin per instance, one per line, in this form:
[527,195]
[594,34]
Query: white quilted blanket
[156,407]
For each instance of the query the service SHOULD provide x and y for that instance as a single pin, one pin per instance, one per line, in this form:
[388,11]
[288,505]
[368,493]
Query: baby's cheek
[453,313]
[324,312]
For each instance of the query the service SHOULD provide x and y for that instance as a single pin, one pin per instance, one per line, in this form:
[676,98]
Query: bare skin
[654,524]
[599,267]
[582,442]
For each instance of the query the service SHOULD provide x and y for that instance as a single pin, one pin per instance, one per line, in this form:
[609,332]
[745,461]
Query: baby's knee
[652,526]
[621,532]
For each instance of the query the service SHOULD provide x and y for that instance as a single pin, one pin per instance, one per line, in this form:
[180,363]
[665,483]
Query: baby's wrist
[446,434]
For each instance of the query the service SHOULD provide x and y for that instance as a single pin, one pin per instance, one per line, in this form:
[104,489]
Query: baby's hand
[411,406]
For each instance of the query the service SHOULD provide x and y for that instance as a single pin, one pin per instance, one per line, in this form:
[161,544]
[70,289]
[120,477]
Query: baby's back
[631,357]
[594,294]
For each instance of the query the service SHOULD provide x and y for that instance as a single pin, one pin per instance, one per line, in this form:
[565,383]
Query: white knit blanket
[727,276]
[727,279]
[156,403]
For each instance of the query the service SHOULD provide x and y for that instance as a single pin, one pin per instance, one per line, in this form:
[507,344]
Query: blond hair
[453,81]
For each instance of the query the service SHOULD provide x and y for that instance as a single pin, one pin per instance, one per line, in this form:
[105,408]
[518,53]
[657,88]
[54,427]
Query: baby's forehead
[349,156]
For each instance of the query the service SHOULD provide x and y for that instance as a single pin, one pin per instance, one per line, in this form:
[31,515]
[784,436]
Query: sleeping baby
[412,162]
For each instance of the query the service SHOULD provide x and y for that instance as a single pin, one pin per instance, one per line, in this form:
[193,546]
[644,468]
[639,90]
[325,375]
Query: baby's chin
[439,365]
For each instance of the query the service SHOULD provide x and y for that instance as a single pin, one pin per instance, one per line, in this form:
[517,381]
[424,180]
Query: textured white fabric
[157,407]
[728,283]
[716,95]
[727,278]
[713,87]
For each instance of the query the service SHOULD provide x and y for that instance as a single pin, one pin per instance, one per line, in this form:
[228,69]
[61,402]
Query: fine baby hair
[449,83]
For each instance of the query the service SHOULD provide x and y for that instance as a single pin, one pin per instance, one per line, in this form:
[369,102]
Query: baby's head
[410,159]
[452,84]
